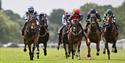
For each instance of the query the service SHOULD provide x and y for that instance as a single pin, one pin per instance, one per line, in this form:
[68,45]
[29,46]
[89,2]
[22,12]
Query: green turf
[16,55]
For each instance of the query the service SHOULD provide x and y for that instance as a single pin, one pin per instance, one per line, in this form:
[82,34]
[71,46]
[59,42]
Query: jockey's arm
[114,18]
[88,18]
[98,17]
[63,20]
[81,18]
[26,16]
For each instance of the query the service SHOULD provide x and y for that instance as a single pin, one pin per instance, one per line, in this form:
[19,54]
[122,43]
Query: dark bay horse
[64,39]
[93,35]
[110,35]
[74,38]
[31,35]
[44,34]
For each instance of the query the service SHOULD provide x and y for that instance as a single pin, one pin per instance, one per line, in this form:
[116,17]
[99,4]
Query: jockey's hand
[88,20]
[98,20]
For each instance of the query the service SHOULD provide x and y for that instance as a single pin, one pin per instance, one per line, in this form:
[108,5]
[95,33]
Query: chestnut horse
[74,38]
[31,35]
[110,35]
[44,34]
[93,35]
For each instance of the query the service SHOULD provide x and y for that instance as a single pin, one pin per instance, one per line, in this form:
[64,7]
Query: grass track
[16,55]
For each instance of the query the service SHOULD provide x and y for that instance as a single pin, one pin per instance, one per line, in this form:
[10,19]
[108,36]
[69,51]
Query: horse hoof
[103,52]
[31,58]
[108,58]
[115,51]
[89,58]
[24,50]
[97,54]
[57,48]
[37,57]
[45,54]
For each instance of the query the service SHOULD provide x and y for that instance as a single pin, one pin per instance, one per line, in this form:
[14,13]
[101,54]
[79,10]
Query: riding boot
[98,27]
[46,28]
[115,25]
[82,29]
[60,34]
[24,28]
[86,26]
[59,39]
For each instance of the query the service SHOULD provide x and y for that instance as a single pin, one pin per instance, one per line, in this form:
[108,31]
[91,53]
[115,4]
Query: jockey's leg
[98,27]
[60,33]
[86,26]
[115,25]
[24,28]
[82,29]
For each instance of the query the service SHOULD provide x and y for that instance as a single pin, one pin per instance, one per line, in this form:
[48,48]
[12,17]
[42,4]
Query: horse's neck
[93,28]
[109,28]
[43,30]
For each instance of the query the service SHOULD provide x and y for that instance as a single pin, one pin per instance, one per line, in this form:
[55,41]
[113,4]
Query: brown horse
[31,35]
[74,38]
[93,35]
[64,38]
[44,35]
[110,35]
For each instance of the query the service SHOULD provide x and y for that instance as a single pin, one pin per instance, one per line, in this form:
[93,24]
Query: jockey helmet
[109,12]
[93,10]
[76,11]
[31,9]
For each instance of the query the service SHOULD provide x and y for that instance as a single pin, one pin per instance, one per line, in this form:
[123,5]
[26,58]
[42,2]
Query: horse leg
[78,50]
[59,38]
[30,52]
[72,52]
[37,51]
[66,50]
[79,53]
[98,49]
[108,51]
[44,49]
[114,49]
[33,49]
[104,48]
[89,49]
[25,48]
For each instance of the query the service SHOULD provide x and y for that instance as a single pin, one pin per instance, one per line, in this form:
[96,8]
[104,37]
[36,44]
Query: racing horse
[93,35]
[31,35]
[110,35]
[64,38]
[44,34]
[74,38]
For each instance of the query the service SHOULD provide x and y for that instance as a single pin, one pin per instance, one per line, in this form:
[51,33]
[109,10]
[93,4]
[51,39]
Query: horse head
[42,19]
[108,22]
[93,22]
[32,23]
[75,29]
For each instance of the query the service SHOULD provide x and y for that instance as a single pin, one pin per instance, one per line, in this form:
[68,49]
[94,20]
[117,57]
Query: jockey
[76,15]
[90,13]
[65,22]
[44,15]
[109,13]
[30,11]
